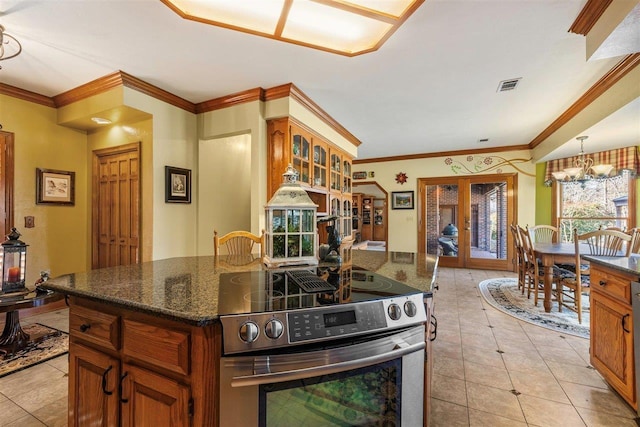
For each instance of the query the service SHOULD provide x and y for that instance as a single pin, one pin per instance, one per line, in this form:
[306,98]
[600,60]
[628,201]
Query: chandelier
[584,168]
[9,46]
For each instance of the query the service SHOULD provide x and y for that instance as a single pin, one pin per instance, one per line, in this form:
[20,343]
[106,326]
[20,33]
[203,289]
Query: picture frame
[402,200]
[360,175]
[177,185]
[55,187]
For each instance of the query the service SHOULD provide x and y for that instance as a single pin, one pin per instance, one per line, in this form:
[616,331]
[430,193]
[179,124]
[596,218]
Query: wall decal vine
[479,164]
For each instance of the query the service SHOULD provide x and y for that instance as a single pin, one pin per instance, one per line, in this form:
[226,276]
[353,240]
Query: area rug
[503,294]
[54,343]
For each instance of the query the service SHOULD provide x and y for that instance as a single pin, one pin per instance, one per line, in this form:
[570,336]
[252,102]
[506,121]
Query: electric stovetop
[298,288]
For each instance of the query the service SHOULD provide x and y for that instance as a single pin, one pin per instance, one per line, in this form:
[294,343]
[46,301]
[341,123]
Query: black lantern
[13,263]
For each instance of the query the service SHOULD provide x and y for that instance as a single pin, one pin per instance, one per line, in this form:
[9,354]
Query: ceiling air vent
[506,85]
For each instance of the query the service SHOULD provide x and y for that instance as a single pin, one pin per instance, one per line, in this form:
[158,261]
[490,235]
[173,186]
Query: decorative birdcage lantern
[290,215]
[13,263]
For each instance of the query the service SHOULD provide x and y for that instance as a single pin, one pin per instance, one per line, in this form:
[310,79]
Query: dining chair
[238,242]
[543,233]
[533,272]
[634,246]
[575,283]
[519,258]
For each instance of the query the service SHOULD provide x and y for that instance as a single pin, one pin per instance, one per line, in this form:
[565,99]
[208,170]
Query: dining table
[555,253]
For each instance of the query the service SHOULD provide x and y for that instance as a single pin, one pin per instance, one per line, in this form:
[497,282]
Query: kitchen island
[145,340]
[612,322]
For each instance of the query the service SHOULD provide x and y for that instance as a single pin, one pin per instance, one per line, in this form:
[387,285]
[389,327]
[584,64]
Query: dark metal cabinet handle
[624,323]
[603,283]
[434,333]
[120,387]
[104,381]
[84,327]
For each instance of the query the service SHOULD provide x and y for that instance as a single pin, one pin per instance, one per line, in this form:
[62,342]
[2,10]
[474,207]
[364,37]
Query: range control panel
[252,332]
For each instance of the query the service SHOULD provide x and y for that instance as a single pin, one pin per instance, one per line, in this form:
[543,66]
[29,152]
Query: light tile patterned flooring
[491,369]
[541,378]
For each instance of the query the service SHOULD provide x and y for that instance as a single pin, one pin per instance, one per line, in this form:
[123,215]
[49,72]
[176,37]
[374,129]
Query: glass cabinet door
[346,217]
[300,150]
[346,176]
[319,166]
[336,178]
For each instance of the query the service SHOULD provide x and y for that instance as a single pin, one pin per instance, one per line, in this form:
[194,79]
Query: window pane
[593,204]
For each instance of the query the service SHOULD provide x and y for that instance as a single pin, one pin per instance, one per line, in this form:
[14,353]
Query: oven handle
[268,378]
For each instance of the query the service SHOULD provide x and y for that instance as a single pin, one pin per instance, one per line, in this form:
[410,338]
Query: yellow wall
[58,242]
[175,143]
[403,224]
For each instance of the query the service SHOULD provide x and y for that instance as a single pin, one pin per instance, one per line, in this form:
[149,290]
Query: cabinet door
[149,399]
[320,159]
[301,154]
[612,344]
[346,175]
[336,175]
[93,383]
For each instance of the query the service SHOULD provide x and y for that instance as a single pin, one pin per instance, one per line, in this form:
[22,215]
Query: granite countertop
[186,289]
[629,265]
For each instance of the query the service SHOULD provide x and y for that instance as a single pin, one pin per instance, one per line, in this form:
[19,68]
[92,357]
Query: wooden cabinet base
[150,371]
[611,332]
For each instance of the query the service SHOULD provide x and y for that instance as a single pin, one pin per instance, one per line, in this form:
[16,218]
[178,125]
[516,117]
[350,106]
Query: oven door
[371,381]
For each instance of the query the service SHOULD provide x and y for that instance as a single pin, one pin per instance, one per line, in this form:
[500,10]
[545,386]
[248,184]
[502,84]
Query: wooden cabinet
[130,369]
[367,218]
[611,329]
[356,218]
[324,170]
[380,220]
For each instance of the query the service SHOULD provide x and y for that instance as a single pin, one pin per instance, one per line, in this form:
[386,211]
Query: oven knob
[248,332]
[273,329]
[394,311]
[410,308]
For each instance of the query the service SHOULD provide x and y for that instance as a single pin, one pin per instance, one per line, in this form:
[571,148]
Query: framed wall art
[402,200]
[55,187]
[178,185]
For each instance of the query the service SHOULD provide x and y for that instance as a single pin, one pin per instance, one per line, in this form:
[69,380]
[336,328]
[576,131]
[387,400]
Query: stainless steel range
[321,347]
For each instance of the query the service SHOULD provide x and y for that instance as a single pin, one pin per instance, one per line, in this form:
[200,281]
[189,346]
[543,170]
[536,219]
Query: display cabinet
[367,217]
[322,167]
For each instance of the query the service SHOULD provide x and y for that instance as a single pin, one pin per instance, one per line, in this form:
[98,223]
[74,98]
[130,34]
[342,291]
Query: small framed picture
[178,185]
[54,187]
[402,200]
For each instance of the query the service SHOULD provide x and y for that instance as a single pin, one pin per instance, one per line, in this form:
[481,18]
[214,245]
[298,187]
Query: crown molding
[148,89]
[87,90]
[443,154]
[601,86]
[250,95]
[26,95]
[589,15]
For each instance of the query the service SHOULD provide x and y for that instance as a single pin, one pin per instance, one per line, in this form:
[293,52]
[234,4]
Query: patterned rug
[504,295]
[50,343]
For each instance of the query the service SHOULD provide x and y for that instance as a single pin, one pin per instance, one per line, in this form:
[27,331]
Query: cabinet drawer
[93,326]
[165,348]
[613,285]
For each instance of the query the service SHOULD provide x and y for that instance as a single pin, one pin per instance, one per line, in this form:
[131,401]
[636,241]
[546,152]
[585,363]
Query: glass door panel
[487,221]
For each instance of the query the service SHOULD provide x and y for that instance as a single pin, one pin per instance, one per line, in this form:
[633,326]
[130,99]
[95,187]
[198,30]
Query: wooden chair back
[604,242]
[543,233]
[238,242]
[634,246]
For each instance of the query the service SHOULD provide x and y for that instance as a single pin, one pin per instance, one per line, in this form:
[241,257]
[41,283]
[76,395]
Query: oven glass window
[368,396]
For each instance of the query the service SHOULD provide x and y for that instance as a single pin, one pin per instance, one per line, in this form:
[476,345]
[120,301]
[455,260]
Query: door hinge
[191,407]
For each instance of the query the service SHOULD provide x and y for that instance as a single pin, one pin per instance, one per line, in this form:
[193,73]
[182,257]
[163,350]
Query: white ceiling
[432,87]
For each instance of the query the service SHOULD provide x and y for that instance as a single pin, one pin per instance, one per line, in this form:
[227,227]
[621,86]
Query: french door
[466,220]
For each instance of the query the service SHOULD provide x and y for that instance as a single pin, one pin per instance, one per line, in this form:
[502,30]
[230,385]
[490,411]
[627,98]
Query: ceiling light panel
[344,27]
[335,29]
[255,15]
[391,7]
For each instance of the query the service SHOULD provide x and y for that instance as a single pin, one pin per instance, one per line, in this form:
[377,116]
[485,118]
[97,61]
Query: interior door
[466,220]
[116,206]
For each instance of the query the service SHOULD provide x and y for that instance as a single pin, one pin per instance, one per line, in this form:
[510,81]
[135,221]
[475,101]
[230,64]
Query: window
[592,204]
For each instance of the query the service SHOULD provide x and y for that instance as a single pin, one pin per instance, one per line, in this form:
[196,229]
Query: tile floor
[539,377]
[491,369]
